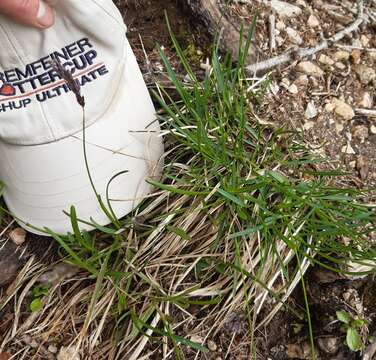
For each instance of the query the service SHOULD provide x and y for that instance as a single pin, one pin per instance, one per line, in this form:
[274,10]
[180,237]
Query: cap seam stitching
[11,43]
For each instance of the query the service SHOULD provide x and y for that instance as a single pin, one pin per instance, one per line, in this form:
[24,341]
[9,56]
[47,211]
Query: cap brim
[42,181]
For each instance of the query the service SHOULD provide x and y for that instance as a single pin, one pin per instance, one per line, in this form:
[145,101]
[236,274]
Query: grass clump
[241,212]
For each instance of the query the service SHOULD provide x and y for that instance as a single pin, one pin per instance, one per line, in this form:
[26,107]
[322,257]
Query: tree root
[210,14]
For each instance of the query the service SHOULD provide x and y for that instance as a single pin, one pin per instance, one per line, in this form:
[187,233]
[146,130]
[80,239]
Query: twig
[366,112]
[351,47]
[147,60]
[349,6]
[272,44]
[304,52]
[369,351]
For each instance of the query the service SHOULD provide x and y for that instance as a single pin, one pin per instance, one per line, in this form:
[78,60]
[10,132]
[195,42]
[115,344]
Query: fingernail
[45,15]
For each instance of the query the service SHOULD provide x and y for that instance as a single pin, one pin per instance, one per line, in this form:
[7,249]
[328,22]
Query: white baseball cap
[41,124]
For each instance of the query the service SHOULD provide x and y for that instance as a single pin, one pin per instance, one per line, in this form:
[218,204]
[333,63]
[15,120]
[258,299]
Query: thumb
[28,12]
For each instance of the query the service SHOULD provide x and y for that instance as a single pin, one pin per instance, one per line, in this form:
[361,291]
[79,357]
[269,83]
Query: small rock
[286,82]
[366,100]
[197,339]
[280,40]
[365,73]
[347,149]
[311,110]
[299,351]
[157,64]
[362,165]
[360,132]
[372,55]
[339,127]
[356,43]
[294,36]
[373,129]
[339,65]
[293,89]
[351,296]
[28,340]
[212,346]
[329,107]
[280,25]
[18,236]
[364,40]
[302,80]
[285,9]
[356,56]
[341,55]
[301,3]
[330,345]
[313,21]
[68,353]
[342,109]
[52,349]
[326,60]
[274,88]
[310,68]
[348,136]
[314,81]
[308,125]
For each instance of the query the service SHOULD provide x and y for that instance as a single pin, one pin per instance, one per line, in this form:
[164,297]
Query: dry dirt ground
[311,100]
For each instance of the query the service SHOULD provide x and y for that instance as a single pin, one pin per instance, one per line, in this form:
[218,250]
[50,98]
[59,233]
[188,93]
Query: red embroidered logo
[7,90]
